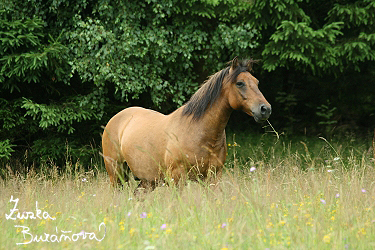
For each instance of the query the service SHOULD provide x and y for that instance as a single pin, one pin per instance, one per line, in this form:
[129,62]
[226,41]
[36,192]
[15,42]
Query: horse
[189,143]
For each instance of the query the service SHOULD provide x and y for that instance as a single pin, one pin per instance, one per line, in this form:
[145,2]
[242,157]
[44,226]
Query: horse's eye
[240,84]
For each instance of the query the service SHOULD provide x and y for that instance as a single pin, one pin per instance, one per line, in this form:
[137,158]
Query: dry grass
[277,206]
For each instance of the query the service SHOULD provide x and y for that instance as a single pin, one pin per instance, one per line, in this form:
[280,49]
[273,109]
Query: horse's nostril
[265,110]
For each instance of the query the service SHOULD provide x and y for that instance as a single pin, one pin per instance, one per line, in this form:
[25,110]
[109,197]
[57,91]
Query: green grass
[303,194]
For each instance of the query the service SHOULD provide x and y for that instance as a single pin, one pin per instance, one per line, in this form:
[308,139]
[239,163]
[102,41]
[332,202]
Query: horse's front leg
[144,187]
[214,177]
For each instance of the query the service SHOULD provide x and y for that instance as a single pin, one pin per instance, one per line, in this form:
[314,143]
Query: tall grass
[297,194]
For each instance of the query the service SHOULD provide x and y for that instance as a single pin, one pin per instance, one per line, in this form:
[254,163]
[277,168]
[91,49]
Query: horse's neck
[214,121]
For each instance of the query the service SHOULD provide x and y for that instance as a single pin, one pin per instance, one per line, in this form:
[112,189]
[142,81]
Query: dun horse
[190,142]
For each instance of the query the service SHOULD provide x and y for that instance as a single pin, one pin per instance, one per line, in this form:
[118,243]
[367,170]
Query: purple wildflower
[252,169]
[223,225]
[323,201]
[143,215]
[164,226]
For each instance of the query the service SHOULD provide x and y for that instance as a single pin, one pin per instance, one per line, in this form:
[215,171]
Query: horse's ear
[234,63]
[250,65]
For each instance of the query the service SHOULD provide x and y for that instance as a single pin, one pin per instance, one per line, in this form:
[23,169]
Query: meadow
[286,193]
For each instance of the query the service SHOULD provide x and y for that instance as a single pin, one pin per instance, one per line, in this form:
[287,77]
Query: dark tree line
[67,66]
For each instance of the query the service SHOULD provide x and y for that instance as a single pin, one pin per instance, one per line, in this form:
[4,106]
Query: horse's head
[243,92]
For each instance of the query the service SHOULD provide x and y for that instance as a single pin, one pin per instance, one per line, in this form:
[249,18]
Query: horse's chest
[195,155]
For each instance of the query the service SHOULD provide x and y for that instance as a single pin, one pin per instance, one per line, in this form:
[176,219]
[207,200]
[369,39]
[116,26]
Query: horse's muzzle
[262,113]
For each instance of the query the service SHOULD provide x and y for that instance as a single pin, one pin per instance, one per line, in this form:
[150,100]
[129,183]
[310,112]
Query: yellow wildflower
[132,231]
[282,222]
[261,233]
[327,239]
[361,231]
[269,225]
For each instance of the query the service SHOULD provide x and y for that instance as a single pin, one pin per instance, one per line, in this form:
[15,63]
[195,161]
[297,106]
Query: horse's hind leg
[114,169]
[122,174]
[114,163]
[119,173]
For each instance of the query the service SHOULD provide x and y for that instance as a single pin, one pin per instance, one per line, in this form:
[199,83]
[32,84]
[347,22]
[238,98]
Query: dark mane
[208,93]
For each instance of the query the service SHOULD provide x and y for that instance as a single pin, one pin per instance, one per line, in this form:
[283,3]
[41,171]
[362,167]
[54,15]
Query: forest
[67,66]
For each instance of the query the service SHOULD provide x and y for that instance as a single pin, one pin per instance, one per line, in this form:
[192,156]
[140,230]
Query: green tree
[67,66]
[329,43]
[79,64]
